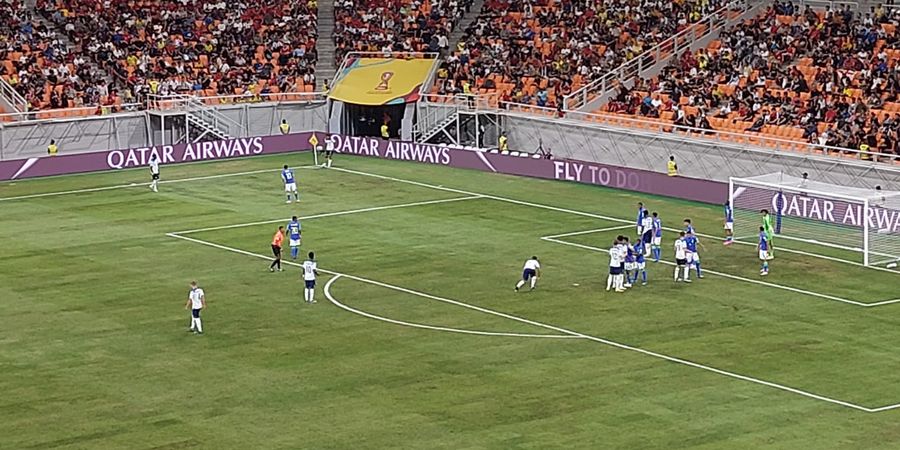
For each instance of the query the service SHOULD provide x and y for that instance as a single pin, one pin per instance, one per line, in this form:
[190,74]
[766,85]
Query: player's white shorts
[763,255]
[630,266]
[295,242]
[290,187]
[729,226]
[693,257]
[657,240]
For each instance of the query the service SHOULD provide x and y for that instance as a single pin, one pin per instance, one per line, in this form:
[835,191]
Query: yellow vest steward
[672,169]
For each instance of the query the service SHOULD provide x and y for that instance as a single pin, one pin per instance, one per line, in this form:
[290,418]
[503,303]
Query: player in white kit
[196,301]
[681,261]
[154,173]
[310,272]
[531,272]
[616,279]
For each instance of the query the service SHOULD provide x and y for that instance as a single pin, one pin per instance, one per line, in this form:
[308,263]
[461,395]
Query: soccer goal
[862,225]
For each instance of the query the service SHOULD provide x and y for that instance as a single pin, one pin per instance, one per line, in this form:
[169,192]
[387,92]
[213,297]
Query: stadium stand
[395,25]
[205,48]
[826,78]
[536,51]
[39,66]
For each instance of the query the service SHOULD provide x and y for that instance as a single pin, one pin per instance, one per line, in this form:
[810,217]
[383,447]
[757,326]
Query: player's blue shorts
[195,313]
[647,237]
[615,270]
[528,273]
[310,284]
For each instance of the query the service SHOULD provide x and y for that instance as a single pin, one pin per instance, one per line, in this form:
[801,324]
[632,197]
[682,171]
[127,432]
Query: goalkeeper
[769,229]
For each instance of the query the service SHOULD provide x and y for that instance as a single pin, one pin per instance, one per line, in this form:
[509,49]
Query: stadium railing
[12,97]
[168,104]
[486,103]
[674,45]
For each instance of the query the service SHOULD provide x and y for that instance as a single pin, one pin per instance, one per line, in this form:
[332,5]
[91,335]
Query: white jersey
[154,167]
[196,298]
[309,270]
[615,257]
[329,145]
[646,224]
[680,249]
[532,264]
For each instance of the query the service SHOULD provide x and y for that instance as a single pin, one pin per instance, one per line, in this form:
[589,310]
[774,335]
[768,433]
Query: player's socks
[643,277]
[329,163]
[520,284]
[294,252]
[609,282]
[687,274]
[312,295]
[676,273]
[533,282]
[699,273]
[199,325]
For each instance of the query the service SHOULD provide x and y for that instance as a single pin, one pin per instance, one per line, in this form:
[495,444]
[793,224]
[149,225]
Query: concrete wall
[696,157]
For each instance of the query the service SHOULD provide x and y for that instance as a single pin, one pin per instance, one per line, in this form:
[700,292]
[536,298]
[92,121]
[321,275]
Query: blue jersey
[639,252]
[657,227]
[293,228]
[691,242]
[642,212]
[763,241]
[629,255]
[288,176]
[689,229]
[729,214]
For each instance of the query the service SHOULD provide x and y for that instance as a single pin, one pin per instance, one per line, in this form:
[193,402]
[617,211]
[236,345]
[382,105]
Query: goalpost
[812,215]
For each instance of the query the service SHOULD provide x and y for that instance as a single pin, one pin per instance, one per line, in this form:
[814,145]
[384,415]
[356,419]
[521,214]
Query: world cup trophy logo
[385,80]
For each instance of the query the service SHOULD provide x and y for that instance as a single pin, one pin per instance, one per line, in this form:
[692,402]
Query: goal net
[811,216]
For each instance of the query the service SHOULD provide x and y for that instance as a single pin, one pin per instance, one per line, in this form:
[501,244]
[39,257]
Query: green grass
[94,353]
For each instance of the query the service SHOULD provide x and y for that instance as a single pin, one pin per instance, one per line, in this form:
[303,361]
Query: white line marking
[733,277]
[431,327]
[886,302]
[332,214]
[598,230]
[596,216]
[566,331]
[614,219]
[134,185]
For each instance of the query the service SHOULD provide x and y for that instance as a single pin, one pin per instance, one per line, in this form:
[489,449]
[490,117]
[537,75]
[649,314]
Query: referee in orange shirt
[276,249]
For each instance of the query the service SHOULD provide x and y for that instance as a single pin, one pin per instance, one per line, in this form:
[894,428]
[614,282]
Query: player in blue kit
[290,184]
[640,264]
[657,237]
[294,229]
[688,227]
[729,224]
[693,256]
[763,251]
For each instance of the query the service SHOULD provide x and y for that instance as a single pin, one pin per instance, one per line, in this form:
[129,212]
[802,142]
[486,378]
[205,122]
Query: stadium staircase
[325,66]
[203,122]
[460,31]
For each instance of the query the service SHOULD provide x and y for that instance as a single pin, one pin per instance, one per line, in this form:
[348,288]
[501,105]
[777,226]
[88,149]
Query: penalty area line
[333,214]
[334,301]
[730,276]
[561,330]
[578,233]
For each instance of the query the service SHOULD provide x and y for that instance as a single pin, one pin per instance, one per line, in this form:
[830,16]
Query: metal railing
[632,124]
[13,97]
[90,111]
[198,108]
[674,45]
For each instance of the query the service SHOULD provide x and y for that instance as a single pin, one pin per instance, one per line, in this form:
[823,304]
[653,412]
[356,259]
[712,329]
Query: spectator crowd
[827,77]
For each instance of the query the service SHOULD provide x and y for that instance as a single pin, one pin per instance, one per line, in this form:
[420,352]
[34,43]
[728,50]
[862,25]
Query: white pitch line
[134,185]
[733,277]
[331,298]
[598,216]
[332,214]
[566,331]
[886,302]
[598,230]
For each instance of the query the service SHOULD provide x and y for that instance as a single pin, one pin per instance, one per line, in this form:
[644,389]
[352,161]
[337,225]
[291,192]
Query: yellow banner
[381,81]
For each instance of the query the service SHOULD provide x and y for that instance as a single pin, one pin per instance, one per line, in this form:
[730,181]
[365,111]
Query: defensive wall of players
[564,138]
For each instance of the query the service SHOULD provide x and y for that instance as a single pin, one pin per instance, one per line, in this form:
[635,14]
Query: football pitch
[418,339]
